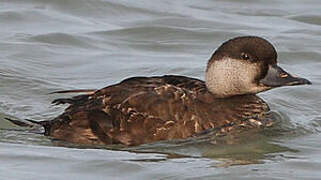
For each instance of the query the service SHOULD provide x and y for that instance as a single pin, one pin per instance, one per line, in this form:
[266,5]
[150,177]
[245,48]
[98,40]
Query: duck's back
[146,109]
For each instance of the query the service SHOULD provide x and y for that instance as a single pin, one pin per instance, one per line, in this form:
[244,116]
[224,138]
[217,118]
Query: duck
[141,110]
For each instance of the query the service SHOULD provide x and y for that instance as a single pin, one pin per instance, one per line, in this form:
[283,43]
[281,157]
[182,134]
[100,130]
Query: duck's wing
[134,111]
[129,86]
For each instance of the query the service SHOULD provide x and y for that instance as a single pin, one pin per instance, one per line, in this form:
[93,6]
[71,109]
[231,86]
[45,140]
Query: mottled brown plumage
[142,110]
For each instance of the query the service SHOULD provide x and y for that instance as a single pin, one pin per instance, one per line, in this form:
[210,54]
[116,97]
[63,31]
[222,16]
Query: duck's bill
[277,77]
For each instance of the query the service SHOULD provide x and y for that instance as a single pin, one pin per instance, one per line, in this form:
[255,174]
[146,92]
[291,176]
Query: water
[57,45]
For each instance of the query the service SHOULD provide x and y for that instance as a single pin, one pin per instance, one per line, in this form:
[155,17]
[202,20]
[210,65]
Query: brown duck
[147,109]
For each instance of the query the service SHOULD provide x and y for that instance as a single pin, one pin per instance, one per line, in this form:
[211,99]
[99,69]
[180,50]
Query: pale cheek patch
[229,77]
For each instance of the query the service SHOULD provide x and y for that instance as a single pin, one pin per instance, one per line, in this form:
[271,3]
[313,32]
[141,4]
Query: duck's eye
[245,56]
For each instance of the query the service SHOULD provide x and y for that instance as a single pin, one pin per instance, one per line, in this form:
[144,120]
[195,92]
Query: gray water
[70,44]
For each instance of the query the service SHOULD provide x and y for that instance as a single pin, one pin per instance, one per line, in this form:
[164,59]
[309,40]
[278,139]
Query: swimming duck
[147,109]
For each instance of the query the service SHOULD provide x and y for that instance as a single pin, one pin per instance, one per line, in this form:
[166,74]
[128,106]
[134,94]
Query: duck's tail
[39,127]
[25,123]
[86,91]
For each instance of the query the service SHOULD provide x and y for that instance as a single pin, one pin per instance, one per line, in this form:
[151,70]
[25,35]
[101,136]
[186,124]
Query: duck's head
[246,65]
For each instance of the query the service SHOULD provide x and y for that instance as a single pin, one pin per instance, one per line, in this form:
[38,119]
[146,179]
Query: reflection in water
[248,148]
[252,149]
